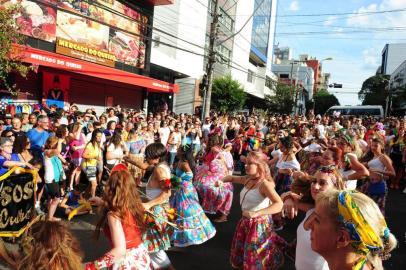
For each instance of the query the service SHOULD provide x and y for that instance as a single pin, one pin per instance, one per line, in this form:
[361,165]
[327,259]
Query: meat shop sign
[84,52]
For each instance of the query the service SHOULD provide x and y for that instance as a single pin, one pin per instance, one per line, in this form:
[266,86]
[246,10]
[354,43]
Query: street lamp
[326,59]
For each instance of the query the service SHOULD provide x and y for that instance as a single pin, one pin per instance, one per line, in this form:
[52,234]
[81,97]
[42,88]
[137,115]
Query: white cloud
[294,6]
[363,19]
[387,20]
[330,20]
[370,57]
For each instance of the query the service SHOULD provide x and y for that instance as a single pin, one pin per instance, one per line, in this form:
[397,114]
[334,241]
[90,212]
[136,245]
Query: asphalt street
[214,254]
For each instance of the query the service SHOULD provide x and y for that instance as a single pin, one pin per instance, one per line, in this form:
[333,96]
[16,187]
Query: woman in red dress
[123,223]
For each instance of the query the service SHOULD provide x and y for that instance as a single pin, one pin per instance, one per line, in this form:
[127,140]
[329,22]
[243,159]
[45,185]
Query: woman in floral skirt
[193,225]
[214,200]
[122,221]
[255,245]
[157,237]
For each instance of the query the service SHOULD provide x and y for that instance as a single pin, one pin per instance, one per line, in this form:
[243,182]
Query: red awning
[48,59]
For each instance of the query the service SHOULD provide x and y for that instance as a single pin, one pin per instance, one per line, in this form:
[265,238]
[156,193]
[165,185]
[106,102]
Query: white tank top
[152,193]
[276,153]
[252,200]
[306,258]
[290,164]
[376,164]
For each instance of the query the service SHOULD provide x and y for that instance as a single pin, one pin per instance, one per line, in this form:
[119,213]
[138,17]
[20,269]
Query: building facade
[246,55]
[177,52]
[397,86]
[298,74]
[324,82]
[253,49]
[392,56]
[282,54]
[92,54]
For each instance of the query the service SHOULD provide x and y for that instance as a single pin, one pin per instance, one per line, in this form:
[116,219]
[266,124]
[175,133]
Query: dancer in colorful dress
[193,225]
[255,245]
[157,237]
[214,200]
[122,221]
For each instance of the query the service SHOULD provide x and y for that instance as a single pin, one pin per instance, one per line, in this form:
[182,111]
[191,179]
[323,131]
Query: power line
[339,32]
[366,13]
[235,3]
[202,4]
[342,26]
[246,22]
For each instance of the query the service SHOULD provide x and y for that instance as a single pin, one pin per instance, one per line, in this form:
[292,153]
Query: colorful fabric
[193,225]
[134,259]
[256,246]
[157,237]
[213,199]
[364,239]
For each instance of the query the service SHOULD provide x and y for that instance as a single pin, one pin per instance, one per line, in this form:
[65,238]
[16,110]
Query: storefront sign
[35,20]
[16,203]
[48,59]
[84,52]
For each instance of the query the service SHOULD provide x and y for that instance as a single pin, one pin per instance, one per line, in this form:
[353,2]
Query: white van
[367,110]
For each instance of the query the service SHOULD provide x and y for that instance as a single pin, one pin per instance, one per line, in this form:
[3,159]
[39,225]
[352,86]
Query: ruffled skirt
[157,236]
[256,246]
[193,225]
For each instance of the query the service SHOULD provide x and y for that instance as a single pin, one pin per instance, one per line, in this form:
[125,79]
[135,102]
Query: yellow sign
[81,51]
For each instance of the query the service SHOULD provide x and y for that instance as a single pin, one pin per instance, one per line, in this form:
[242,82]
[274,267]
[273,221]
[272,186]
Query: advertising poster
[127,48]
[109,12]
[55,89]
[82,30]
[36,20]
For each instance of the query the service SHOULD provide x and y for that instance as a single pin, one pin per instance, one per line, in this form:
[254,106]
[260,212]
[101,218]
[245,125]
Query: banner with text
[16,204]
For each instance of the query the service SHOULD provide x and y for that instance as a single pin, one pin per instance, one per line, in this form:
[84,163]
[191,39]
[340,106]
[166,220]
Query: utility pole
[211,58]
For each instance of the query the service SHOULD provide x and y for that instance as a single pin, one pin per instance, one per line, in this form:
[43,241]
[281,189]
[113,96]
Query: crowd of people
[161,180]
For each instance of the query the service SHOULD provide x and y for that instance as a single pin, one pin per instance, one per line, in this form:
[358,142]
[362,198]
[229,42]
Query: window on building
[226,20]
[268,82]
[251,76]
[284,76]
[225,54]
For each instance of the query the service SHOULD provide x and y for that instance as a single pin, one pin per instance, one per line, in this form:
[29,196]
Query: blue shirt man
[39,135]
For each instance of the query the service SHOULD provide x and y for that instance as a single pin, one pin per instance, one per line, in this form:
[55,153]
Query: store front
[94,54]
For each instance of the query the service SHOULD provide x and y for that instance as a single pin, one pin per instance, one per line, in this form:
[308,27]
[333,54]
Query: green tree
[10,57]
[323,100]
[227,94]
[374,90]
[282,101]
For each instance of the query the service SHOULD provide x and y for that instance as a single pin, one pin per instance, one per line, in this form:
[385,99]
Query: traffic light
[335,85]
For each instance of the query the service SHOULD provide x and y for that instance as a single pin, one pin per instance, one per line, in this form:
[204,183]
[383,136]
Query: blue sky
[354,41]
